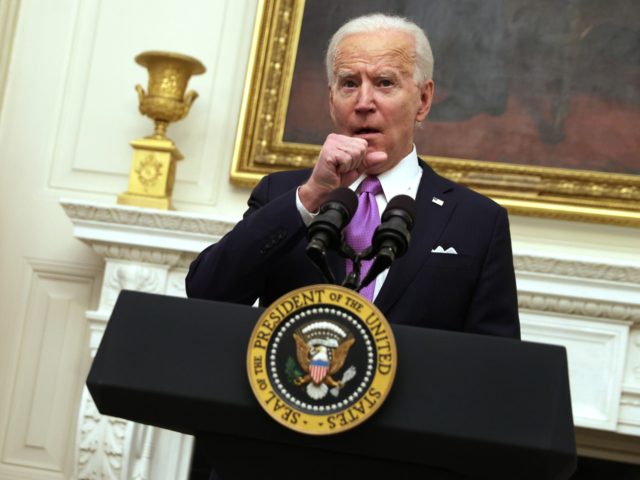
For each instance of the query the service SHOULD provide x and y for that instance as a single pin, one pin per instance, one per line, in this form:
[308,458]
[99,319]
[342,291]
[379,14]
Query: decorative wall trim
[63,269]
[608,445]
[185,260]
[141,277]
[563,305]
[631,399]
[8,19]
[101,443]
[632,374]
[133,216]
[630,411]
[175,283]
[137,254]
[130,276]
[576,269]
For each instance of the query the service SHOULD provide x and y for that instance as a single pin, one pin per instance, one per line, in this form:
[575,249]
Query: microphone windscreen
[404,203]
[346,197]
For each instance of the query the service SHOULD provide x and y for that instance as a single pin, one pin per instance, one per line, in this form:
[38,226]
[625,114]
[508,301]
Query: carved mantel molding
[183,223]
[581,307]
[571,268]
[144,235]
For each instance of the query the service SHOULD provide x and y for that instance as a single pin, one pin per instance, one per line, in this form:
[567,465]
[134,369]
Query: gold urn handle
[188,100]
[141,94]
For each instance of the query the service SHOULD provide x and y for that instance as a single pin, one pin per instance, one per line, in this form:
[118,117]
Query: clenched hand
[341,161]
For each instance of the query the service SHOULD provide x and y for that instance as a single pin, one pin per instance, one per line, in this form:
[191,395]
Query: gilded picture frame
[544,191]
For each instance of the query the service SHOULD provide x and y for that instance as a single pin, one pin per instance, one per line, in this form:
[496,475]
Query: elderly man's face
[374,95]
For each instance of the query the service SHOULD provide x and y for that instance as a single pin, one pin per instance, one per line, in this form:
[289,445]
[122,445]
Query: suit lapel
[431,219]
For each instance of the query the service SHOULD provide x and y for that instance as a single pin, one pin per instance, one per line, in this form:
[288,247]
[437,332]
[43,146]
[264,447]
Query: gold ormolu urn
[154,157]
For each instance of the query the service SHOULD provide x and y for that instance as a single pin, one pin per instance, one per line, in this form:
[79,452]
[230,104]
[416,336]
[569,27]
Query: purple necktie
[360,230]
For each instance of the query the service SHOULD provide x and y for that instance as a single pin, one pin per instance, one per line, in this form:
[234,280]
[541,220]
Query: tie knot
[371,185]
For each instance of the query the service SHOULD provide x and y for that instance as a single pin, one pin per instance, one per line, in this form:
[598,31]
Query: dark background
[534,82]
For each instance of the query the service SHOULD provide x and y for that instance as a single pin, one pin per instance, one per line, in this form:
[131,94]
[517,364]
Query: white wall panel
[596,355]
[100,110]
[49,373]
[630,401]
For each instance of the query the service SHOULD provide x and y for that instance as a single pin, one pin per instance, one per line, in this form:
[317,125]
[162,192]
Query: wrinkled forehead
[384,49]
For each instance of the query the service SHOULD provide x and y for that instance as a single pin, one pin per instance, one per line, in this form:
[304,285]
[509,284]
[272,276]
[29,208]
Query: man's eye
[385,83]
[349,84]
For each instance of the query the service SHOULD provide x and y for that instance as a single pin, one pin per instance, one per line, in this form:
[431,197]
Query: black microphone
[391,238]
[325,231]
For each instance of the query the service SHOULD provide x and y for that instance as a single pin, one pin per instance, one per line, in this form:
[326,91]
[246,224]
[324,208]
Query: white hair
[376,22]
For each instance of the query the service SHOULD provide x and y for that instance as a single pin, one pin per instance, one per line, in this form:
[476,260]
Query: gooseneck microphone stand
[390,240]
[352,279]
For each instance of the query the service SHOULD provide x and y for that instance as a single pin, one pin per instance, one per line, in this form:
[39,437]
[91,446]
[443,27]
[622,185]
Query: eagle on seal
[321,349]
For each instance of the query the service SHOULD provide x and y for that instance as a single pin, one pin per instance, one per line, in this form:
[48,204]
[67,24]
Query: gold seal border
[338,420]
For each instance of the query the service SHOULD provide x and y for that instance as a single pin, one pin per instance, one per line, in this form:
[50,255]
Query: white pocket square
[449,250]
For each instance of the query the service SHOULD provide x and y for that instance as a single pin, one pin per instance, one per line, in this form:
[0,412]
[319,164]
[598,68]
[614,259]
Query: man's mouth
[366,131]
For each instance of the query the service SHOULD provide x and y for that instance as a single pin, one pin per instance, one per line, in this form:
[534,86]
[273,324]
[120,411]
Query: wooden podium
[462,405]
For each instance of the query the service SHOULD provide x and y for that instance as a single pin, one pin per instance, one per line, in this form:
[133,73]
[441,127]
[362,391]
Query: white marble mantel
[593,309]
[145,250]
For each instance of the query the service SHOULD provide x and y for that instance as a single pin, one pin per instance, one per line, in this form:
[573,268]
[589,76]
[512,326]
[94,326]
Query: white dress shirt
[403,179]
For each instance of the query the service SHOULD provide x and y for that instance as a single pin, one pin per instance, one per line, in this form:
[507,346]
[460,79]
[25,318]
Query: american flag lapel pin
[437,201]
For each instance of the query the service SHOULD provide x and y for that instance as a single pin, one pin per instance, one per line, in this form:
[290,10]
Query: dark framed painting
[537,102]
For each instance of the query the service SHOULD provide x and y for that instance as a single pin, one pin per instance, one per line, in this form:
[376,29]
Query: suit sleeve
[494,306]
[236,268]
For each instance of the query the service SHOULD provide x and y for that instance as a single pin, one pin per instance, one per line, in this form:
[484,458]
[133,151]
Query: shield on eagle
[318,370]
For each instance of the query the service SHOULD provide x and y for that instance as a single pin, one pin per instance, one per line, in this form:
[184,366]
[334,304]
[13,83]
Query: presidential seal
[321,359]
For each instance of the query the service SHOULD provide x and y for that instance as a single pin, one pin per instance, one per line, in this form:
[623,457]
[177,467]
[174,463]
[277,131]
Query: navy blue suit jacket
[474,291]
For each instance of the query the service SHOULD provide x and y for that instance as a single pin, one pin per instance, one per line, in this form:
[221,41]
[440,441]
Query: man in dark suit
[458,271]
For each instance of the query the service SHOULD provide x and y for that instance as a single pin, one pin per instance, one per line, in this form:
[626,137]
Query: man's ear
[426,97]
[331,108]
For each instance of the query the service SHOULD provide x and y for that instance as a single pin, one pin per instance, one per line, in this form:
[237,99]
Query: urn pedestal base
[152,174]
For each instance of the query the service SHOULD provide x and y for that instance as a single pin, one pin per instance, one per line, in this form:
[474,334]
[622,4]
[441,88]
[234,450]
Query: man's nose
[365,101]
